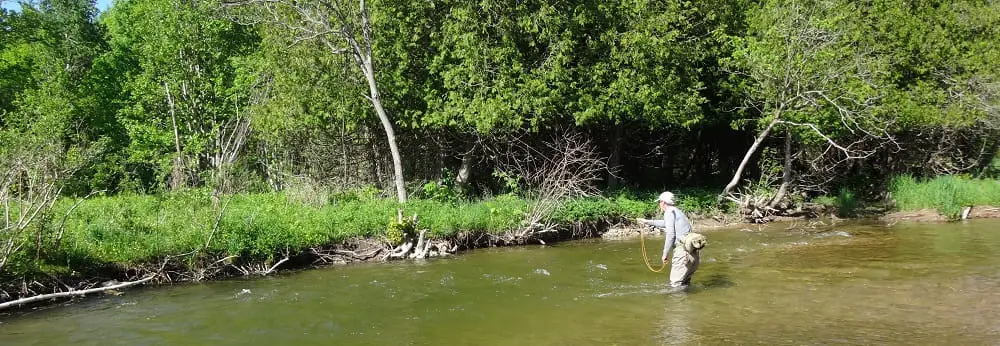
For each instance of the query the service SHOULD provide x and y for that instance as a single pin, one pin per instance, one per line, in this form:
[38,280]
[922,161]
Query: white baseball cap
[667,197]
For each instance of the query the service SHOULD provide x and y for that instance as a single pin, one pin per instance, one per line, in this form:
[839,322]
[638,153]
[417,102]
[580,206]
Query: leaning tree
[802,70]
[342,27]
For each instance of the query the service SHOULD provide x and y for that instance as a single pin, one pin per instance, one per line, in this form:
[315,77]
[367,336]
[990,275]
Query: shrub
[846,203]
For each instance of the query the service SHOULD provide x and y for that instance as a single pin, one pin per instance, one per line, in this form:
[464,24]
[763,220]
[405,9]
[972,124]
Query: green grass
[132,230]
[127,231]
[946,194]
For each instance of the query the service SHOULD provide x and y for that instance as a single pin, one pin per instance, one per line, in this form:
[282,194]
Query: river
[853,283]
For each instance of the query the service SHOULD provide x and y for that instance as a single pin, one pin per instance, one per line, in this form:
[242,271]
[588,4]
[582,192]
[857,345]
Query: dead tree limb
[42,297]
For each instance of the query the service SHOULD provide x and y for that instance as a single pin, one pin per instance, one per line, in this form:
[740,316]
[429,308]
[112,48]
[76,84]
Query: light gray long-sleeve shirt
[675,224]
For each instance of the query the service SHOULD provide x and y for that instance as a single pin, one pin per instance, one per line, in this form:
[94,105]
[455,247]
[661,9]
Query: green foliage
[631,206]
[445,189]
[585,210]
[130,230]
[994,168]
[184,65]
[846,203]
[940,54]
[702,202]
[801,62]
[399,230]
[511,181]
[444,219]
[827,201]
[946,194]
[364,193]
[498,66]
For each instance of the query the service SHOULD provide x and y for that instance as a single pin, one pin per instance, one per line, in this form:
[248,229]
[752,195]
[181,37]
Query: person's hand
[664,259]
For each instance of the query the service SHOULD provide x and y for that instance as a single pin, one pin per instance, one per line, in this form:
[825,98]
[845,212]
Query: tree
[802,68]
[342,29]
[49,50]
[945,85]
[185,96]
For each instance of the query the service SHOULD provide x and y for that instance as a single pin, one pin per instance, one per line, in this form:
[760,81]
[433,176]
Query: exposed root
[261,268]
[185,267]
[419,246]
[423,248]
[340,256]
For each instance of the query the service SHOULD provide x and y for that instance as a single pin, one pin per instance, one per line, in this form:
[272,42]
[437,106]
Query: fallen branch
[224,259]
[269,270]
[327,256]
[23,301]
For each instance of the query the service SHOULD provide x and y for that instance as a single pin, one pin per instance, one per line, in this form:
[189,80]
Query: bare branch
[42,297]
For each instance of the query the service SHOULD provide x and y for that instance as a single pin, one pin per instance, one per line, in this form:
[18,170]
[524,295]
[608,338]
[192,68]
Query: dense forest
[150,96]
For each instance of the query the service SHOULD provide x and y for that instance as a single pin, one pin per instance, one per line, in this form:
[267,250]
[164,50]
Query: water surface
[783,284]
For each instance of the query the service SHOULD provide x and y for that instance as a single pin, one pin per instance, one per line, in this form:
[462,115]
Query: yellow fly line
[642,240]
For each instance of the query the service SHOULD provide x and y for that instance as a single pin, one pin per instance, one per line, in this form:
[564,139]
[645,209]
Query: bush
[846,203]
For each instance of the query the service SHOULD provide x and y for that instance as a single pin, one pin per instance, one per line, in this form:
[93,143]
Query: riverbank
[194,236]
[943,198]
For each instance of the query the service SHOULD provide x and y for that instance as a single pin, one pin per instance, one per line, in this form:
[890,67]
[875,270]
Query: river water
[782,284]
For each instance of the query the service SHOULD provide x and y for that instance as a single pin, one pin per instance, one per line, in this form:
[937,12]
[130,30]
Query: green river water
[852,283]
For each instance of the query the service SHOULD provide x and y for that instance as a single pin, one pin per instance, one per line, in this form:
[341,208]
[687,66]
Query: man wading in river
[686,248]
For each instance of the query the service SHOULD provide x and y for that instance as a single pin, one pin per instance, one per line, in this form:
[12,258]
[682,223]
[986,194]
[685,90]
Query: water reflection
[675,327]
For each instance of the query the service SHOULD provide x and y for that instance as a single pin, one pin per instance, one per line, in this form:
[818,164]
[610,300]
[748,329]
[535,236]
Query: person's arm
[656,223]
[668,222]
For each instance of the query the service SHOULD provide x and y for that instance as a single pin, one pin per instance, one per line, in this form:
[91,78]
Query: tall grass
[127,230]
[137,229]
[946,194]
[134,230]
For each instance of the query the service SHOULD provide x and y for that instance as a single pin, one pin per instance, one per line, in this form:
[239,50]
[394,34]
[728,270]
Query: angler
[686,244]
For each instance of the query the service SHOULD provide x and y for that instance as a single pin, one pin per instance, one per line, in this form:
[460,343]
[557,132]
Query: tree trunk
[750,152]
[986,158]
[465,171]
[346,181]
[177,173]
[614,164]
[390,133]
[786,175]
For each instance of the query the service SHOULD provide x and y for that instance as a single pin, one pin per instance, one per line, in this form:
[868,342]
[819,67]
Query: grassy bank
[132,231]
[946,194]
[137,231]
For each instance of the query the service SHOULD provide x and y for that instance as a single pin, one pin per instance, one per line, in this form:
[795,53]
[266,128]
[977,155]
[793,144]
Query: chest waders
[692,242]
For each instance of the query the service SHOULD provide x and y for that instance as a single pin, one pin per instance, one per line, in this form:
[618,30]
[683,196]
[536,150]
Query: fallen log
[32,299]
